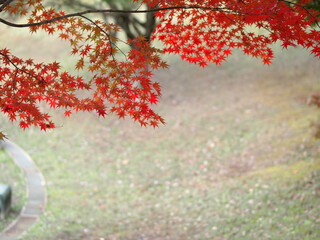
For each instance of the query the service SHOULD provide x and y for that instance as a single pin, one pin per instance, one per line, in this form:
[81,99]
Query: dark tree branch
[4,3]
[125,24]
[79,14]
[17,68]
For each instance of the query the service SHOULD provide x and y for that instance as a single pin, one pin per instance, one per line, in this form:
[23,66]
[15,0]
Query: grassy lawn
[12,175]
[236,160]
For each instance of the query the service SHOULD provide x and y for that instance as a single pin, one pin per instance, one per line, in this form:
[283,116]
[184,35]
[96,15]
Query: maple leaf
[153,98]
[101,112]
[67,113]
[316,51]
[24,125]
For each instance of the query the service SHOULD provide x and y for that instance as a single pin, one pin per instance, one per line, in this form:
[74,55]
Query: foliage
[315,4]
[201,32]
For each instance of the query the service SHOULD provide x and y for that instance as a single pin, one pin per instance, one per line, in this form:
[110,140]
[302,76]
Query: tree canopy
[199,31]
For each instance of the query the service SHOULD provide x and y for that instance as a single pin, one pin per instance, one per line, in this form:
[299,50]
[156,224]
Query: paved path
[37,196]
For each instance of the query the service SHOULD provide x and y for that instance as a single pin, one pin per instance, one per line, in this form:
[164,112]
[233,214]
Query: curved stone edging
[36,193]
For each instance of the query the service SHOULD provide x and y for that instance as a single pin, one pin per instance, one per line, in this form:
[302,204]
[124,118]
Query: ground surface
[236,160]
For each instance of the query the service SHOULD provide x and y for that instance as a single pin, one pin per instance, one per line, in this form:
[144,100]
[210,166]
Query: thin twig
[107,34]
[20,69]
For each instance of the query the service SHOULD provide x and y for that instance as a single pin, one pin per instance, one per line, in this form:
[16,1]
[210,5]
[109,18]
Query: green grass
[236,160]
[269,210]
[12,175]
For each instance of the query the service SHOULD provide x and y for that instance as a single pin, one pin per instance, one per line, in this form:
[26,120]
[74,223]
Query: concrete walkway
[36,198]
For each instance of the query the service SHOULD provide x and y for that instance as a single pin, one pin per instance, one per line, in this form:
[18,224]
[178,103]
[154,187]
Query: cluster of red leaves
[200,31]
[26,84]
[206,31]
[123,87]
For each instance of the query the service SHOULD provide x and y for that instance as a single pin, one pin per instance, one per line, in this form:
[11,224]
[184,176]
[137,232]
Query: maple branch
[110,42]
[108,36]
[301,6]
[19,69]
[4,3]
[79,14]
[149,10]
[50,93]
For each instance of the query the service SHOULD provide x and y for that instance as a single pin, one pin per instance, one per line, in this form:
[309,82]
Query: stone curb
[36,193]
